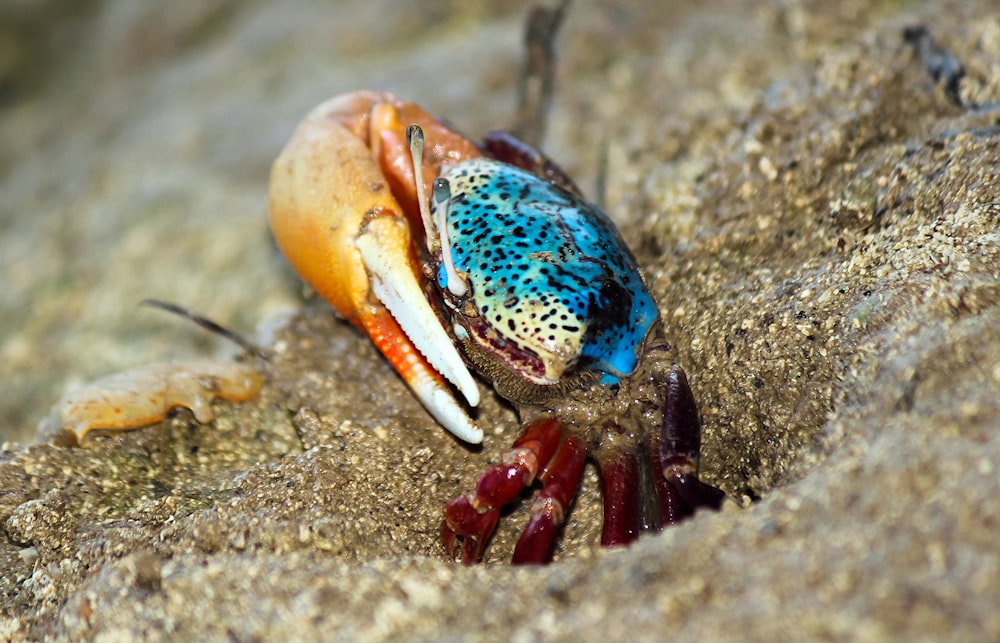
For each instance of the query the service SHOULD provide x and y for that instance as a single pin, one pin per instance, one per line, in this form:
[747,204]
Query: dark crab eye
[441,191]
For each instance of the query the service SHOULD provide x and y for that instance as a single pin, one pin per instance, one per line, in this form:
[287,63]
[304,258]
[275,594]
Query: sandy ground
[816,215]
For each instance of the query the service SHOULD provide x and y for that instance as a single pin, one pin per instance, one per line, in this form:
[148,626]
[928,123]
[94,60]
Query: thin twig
[538,73]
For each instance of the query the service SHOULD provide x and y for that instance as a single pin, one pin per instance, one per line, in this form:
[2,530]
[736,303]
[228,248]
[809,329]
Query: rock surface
[816,214]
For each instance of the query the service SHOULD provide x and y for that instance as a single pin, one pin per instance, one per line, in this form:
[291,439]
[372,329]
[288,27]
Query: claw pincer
[507,272]
[339,222]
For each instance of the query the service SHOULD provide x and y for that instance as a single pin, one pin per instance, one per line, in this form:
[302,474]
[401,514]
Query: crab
[461,261]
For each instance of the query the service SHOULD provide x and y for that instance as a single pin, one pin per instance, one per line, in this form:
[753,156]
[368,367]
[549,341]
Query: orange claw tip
[425,382]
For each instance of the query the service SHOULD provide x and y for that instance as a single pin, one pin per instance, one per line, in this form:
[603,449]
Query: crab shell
[550,297]
[335,212]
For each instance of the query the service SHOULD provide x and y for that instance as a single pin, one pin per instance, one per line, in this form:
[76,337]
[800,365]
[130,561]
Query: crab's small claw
[339,225]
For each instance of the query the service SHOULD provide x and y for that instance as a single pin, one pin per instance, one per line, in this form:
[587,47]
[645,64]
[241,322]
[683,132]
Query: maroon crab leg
[557,458]
[674,458]
[473,517]
[678,487]
[560,480]
[620,483]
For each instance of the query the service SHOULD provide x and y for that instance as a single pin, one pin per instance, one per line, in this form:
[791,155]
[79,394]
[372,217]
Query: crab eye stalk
[435,227]
[415,140]
[448,277]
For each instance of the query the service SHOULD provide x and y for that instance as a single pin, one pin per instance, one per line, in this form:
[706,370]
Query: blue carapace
[554,288]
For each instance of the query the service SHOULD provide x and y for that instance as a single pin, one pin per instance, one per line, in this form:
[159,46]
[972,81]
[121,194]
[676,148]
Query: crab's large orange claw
[337,221]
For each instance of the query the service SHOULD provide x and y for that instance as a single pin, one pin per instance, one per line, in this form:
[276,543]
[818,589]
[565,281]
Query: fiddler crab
[459,259]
